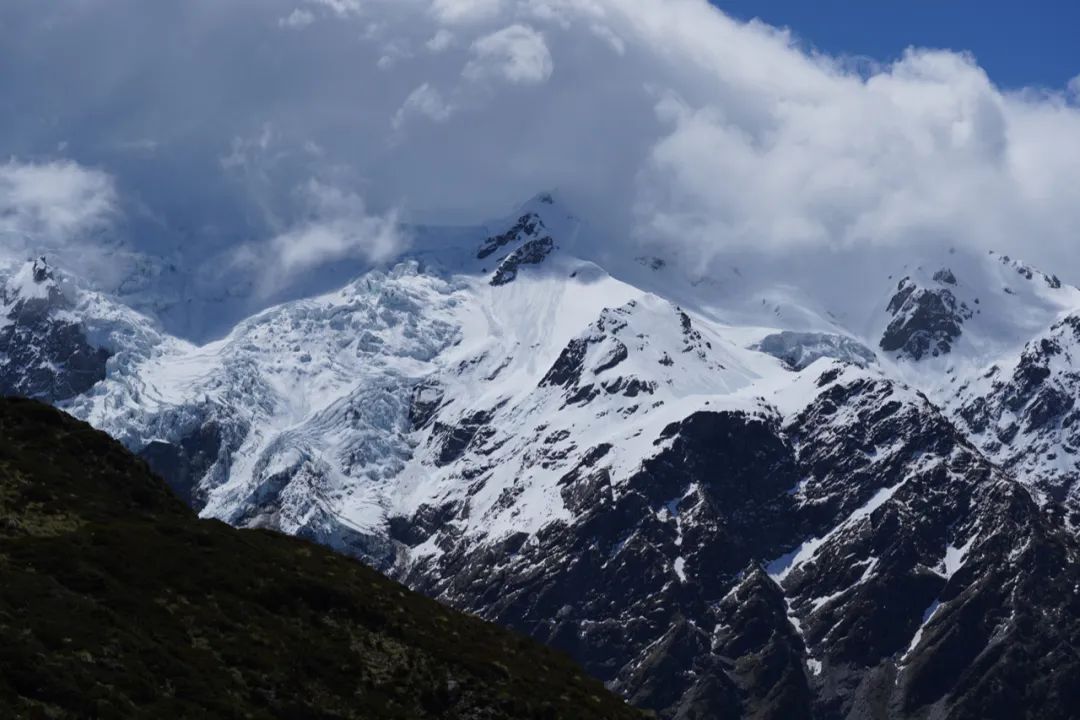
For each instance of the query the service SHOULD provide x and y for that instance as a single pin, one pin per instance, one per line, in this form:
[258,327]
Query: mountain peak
[553,209]
[546,199]
[41,270]
[34,280]
[926,320]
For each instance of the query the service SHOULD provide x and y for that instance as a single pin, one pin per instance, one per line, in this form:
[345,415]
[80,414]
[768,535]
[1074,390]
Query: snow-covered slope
[781,491]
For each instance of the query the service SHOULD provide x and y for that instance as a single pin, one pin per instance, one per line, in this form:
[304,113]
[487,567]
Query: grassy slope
[115,601]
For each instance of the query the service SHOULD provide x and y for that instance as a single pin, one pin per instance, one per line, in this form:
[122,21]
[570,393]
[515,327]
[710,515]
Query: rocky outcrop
[1026,415]
[799,350]
[925,320]
[527,227]
[44,352]
[531,253]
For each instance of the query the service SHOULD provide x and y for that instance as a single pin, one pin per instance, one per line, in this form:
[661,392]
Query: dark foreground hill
[116,601]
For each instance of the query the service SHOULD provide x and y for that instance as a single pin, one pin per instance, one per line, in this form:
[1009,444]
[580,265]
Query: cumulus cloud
[52,203]
[1073,88]
[663,122]
[465,11]
[921,145]
[341,8]
[426,101]
[440,41]
[68,212]
[297,19]
[336,226]
[517,54]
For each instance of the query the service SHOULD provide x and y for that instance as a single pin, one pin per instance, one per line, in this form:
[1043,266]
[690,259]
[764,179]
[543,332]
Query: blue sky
[1019,44]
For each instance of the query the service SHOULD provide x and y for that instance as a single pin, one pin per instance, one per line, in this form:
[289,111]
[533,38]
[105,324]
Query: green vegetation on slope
[115,601]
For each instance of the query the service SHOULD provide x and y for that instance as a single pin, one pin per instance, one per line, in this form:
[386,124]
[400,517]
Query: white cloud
[336,226]
[517,54]
[341,8]
[440,41]
[667,122]
[1072,88]
[297,19]
[465,11]
[604,33]
[426,101]
[392,54]
[248,150]
[52,203]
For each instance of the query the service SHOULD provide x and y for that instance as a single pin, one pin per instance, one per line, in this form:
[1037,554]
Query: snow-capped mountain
[766,493]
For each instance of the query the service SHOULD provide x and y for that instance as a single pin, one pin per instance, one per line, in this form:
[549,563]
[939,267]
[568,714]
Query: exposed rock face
[1025,415]
[531,253]
[925,321]
[679,529]
[945,276]
[456,439]
[914,563]
[184,465]
[769,678]
[528,227]
[44,353]
[602,345]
